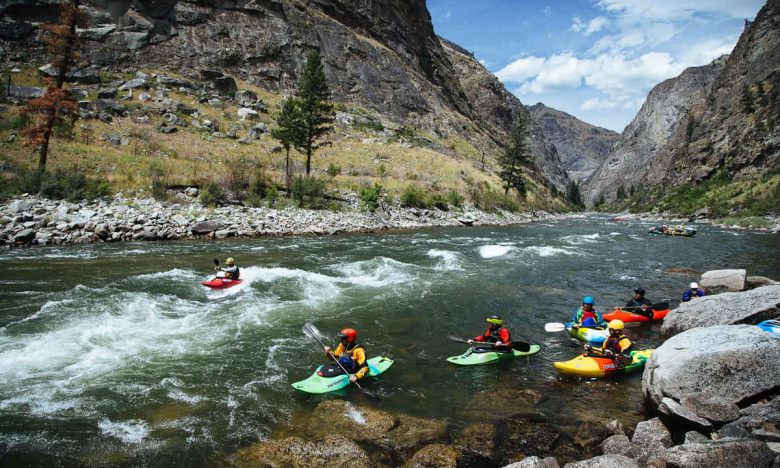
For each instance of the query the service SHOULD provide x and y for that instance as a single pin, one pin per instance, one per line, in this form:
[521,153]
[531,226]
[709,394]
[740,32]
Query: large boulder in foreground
[335,451]
[726,453]
[724,363]
[734,308]
[718,281]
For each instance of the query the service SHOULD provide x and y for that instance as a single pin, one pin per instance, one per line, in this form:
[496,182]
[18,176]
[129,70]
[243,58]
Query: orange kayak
[628,316]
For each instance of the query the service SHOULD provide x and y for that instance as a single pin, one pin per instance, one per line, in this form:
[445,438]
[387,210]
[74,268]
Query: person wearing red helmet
[350,355]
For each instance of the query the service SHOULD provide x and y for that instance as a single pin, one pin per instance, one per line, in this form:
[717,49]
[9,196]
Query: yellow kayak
[600,367]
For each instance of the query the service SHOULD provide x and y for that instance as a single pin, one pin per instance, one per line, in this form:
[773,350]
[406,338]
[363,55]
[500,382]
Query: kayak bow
[600,367]
[319,382]
[220,283]
[483,355]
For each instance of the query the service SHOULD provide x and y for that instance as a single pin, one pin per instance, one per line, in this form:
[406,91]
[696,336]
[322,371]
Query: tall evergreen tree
[313,102]
[57,104]
[573,194]
[515,156]
[289,133]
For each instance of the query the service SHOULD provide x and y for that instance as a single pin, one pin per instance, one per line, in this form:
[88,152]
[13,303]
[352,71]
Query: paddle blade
[455,339]
[216,262]
[554,327]
[312,332]
[520,346]
[632,324]
[661,306]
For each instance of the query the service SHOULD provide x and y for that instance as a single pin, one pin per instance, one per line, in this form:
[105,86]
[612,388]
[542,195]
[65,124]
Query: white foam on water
[354,414]
[376,273]
[315,288]
[578,239]
[492,251]
[133,431]
[625,277]
[615,234]
[181,396]
[170,275]
[547,251]
[448,260]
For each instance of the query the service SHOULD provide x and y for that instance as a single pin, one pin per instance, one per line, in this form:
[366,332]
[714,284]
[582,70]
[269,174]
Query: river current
[115,354]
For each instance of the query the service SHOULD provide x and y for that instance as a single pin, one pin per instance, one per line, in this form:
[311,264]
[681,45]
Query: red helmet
[349,333]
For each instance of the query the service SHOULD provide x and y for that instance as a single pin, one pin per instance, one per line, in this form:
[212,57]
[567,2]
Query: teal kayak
[476,356]
[321,382]
[771,326]
[594,336]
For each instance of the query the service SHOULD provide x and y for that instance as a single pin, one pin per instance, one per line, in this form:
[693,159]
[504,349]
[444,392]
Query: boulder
[179,220]
[501,402]
[106,93]
[245,97]
[20,206]
[694,437]
[535,462]
[652,432]
[258,130]
[682,415]
[758,281]
[717,281]
[525,435]
[589,436]
[435,455]
[725,453]
[89,75]
[605,461]
[727,363]
[23,236]
[335,451]
[477,440]
[206,227]
[109,106]
[247,113]
[758,416]
[133,84]
[732,308]
[620,445]
[710,409]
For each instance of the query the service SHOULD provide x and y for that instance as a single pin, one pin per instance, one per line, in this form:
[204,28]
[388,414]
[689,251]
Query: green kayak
[330,377]
[476,356]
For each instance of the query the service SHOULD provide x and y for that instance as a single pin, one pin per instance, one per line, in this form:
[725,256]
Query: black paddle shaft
[314,335]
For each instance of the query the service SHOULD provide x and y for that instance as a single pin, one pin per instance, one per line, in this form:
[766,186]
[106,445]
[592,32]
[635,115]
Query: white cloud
[593,26]
[708,50]
[547,11]
[596,103]
[681,9]
[521,69]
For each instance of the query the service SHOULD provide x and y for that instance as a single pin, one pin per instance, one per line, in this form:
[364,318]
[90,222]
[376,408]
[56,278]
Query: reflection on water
[116,354]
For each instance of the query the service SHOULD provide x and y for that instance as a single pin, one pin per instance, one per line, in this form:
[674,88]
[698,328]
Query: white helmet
[694,285]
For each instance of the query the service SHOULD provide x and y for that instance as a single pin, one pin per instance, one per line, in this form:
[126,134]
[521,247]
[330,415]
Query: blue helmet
[589,300]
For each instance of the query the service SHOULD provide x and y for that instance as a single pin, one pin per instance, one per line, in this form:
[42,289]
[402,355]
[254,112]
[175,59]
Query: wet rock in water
[434,456]
[589,436]
[683,416]
[724,309]
[334,451]
[616,427]
[717,281]
[502,402]
[521,436]
[725,453]
[398,435]
[710,409]
[727,363]
[652,432]
[535,462]
[206,227]
[605,461]
[477,442]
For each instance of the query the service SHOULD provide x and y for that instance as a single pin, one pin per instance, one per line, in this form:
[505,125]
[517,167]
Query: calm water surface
[114,354]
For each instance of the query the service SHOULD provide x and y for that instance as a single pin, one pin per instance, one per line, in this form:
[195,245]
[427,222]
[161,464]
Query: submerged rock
[334,451]
[502,402]
[535,462]
[435,455]
[725,453]
[728,363]
[605,461]
[749,307]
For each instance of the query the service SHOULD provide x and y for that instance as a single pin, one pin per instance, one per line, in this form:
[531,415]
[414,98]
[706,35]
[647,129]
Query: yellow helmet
[616,324]
[230,261]
[495,319]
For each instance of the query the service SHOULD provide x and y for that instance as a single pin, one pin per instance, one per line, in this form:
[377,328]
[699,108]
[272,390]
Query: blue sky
[595,59]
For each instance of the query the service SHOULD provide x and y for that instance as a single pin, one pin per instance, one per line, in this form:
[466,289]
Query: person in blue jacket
[692,292]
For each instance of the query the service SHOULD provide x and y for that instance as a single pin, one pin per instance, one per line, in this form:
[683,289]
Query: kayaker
[616,343]
[587,316]
[350,355]
[496,334]
[640,304]
[231,272]
[692,292]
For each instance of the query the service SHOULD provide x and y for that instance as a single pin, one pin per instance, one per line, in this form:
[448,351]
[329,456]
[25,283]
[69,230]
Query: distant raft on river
[678,230]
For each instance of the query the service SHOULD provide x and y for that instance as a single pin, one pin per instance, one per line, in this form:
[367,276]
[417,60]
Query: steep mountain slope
[582,147]
[709,138]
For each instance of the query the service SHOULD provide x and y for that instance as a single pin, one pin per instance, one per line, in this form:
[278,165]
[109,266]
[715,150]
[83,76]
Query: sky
[595,59]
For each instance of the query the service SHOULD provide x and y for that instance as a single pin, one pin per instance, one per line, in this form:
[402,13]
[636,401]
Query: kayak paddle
[518,345]
[555,327]
[658,306]
[312,332]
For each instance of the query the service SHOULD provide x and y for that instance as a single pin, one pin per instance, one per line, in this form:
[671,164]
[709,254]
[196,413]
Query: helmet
[495,320]
[694,285]
[589,300]
[639,290]
[230,261]
[616,324]
[349,333]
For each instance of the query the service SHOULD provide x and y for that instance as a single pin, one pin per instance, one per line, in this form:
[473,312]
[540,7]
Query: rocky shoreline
[31,220]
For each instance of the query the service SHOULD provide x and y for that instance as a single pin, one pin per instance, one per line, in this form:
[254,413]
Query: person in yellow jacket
[350,355]
[617,345]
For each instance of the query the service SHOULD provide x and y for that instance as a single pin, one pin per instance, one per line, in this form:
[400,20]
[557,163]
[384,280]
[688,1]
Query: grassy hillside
[365,149]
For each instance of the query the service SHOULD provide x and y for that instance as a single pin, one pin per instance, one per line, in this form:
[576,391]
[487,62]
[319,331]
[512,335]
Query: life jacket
[588,314]
[618,344]
[233,274]
[347,358]
[492,335]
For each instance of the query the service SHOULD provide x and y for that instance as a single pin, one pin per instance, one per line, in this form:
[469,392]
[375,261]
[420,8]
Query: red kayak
[220,283]
[627,316]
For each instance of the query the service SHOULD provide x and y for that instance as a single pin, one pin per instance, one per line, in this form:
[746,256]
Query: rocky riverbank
[753,223]
[30,220]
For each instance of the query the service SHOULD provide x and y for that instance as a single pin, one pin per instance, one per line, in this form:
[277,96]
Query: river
[114,354]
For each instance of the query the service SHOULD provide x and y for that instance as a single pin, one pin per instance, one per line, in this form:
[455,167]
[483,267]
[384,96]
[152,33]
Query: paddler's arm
[503,334]
[330,354]
[359,355]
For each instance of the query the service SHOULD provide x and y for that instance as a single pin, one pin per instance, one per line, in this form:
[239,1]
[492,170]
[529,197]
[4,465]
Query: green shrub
[333,170]
[159,182]
[455,199]
[212,194]
[71,184]
[490,200]
[369,197]
[309,192]
[414,196]
[437,200]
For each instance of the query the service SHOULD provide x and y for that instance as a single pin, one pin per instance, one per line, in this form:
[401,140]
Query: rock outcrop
[718,281]
[749,307]
[335,451]
[727,363]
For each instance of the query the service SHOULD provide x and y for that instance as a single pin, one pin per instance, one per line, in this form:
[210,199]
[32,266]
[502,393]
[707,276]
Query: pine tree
[314,106]
[621,193]
[573,194]
[289,133]
[515,157]
[57,104]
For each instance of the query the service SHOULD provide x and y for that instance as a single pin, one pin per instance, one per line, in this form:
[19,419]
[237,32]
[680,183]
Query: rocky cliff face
[381,54]
[582,147]
[699,124]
